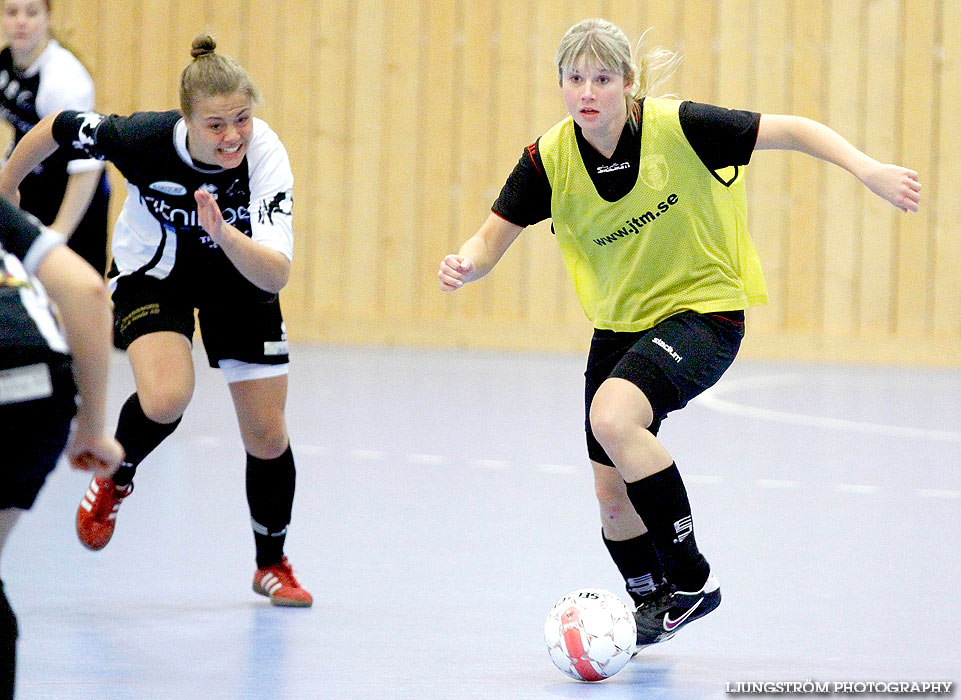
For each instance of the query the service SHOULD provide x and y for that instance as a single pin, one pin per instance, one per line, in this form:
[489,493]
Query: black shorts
[37,432]
[671,363]
[248,330]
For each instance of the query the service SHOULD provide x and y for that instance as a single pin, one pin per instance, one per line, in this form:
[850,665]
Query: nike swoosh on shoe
[671,625]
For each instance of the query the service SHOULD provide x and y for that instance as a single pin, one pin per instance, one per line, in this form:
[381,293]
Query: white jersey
[55,81]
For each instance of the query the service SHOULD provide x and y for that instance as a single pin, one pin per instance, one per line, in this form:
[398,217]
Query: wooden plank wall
[403,117]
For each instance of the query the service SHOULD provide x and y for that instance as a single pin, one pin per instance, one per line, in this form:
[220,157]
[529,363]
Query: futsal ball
[590,634]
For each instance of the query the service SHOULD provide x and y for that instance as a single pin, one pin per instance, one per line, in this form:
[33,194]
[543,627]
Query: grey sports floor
[444,503]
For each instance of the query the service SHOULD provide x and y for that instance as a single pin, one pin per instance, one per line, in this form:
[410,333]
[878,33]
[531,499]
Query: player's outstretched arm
[36,146]
[81,187]
[84,305]
[479,253]
[896,184]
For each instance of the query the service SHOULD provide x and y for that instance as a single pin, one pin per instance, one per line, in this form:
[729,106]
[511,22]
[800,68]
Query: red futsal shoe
[277,582]
[97,514]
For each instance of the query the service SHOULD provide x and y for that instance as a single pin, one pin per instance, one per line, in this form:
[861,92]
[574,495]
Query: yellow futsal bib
[678,241]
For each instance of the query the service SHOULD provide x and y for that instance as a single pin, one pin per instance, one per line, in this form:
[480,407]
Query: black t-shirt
[720,137]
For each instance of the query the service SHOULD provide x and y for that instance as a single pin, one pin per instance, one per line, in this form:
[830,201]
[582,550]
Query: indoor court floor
[444,503]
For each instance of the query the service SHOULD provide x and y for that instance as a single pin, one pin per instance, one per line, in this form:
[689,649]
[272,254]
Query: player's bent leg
[620,415]
[163,371]
[164,375]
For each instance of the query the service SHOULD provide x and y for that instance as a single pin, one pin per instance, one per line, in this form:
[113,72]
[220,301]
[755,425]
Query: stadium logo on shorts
[168,187]
[668,349]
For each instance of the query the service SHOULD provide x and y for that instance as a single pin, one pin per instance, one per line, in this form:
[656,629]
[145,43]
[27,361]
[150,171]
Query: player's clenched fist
[455,271]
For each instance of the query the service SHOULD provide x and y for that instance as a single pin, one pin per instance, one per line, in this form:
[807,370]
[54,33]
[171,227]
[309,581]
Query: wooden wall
[403,118]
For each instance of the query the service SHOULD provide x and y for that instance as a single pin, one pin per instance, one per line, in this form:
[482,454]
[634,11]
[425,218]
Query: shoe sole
[287,603]
[282,602]
[92,546]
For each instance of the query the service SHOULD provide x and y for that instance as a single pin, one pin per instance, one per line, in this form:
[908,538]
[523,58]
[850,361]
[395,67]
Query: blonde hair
[211,73]
[605,44]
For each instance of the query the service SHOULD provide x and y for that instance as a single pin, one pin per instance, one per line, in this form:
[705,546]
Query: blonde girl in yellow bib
[646,197]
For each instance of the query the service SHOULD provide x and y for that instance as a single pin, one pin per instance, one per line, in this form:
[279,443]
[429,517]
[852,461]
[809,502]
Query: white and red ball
[590,634]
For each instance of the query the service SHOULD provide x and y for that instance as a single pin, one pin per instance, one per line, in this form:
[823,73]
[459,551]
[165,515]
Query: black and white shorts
[671,363]
[246,339]
[37,403]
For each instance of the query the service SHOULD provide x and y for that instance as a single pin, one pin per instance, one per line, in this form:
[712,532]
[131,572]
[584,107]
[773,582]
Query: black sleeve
[76,134]
[720,137]
[18,230]
[525,198]
[121,140]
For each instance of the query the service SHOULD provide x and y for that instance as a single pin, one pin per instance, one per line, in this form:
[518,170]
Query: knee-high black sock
[638,563]
[661,501]
[270,496]
[8,646]
[139,436]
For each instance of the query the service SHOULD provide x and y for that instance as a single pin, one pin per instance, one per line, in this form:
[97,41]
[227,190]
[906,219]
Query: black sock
[8,646]
[661,501]
[638,563]
[270,496]
[139,436]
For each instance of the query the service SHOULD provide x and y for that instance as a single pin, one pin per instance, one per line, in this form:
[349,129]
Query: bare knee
[266,439]
[618,411]
[164,404]
[609,427]
[164,374]
[268,447]
[613,426]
